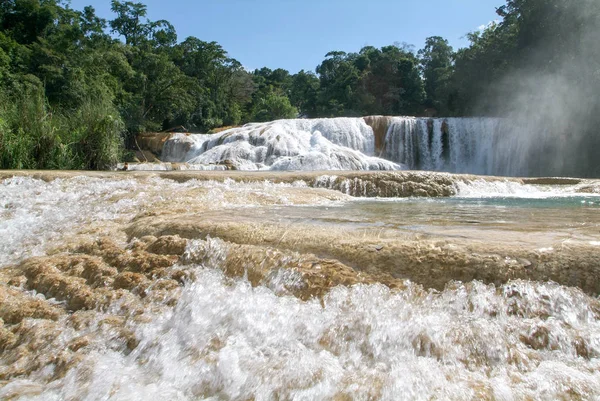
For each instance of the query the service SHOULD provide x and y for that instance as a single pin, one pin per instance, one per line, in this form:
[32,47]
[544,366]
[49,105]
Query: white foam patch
[319,144]
[512,189]
[170,167]
[227,340]
[35,213]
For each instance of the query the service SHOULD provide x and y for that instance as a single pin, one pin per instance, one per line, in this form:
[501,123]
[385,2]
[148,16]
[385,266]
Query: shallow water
[538,221]
[225,339]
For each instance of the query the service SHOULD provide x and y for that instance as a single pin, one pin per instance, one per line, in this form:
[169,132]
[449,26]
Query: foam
[226,339]
[320,144]
[513,189]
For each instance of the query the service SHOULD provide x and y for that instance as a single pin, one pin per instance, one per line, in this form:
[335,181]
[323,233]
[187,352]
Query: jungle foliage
[76,88]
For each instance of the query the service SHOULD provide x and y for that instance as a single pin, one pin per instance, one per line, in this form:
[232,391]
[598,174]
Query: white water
[458,145]
[35,214]
[170,167]
[321,144]
[512,189]
[366,343]
[485,146]
[227,340]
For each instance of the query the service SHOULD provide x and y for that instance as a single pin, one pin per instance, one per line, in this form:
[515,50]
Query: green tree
[304,93]
[436,63]
[373,81]
[390,81]
[339,79]
[221,87]
[273,107]
[132,23]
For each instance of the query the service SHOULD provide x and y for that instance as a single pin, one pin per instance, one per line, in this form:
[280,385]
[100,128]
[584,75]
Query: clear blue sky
[296,34]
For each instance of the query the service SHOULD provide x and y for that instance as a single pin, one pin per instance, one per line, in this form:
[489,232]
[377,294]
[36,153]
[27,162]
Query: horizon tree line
[74,87]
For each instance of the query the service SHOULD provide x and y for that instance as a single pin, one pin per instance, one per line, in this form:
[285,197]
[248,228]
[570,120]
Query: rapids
[488,146]
[478,145]
[321,144]
[307,286]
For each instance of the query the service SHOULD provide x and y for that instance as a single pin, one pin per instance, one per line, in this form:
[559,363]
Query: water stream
[208,326]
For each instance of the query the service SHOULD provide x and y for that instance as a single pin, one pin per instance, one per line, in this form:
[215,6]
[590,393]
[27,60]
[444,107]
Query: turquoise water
[574,209]
[541,221]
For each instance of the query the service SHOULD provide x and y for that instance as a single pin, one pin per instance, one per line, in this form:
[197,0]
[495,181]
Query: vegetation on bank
[73,96]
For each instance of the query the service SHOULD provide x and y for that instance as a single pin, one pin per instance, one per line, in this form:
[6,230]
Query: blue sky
[296,34]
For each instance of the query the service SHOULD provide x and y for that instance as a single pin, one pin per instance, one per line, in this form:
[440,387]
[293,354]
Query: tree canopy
[76,88]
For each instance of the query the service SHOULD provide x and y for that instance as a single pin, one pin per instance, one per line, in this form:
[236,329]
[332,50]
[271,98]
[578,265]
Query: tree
[131,23]
[304,93]
[221,87]
[28,20]
[273,107]
[339,82]
[390,82]
[436,64]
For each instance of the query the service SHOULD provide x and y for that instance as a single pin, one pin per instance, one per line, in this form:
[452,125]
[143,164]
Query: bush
[32,136]
[27,134]
[273,107]
[99,133]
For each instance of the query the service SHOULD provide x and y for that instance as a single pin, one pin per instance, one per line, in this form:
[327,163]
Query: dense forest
[75,89]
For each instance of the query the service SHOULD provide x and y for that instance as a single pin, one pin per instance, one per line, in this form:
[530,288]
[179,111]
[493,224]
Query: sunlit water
[225,340]
[482,145]
[501,218]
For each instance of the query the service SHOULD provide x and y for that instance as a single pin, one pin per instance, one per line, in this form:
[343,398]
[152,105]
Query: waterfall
[301,144]
[457,145]
[479,145]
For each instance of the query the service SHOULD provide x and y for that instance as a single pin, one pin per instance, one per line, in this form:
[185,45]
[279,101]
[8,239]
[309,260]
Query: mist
[550,97]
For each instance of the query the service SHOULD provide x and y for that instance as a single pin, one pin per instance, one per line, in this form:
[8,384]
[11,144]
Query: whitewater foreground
[304,286]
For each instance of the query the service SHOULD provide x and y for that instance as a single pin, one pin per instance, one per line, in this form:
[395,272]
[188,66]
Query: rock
[18,281]
[129,281]
[525,262]
[44,277]
[229,164]
[168,245]
[16,305]
[380,125]
[538,339]
[145,156]
[152,141]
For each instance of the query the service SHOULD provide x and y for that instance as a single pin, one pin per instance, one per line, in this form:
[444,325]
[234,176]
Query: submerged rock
[206,284]
[99,286]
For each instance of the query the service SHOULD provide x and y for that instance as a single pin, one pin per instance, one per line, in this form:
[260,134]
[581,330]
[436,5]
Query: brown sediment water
[191,285]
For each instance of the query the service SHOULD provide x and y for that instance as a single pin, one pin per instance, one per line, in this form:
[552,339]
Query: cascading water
[130,286]
[458,145]
[321,144]
[489,146]
[485,146]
